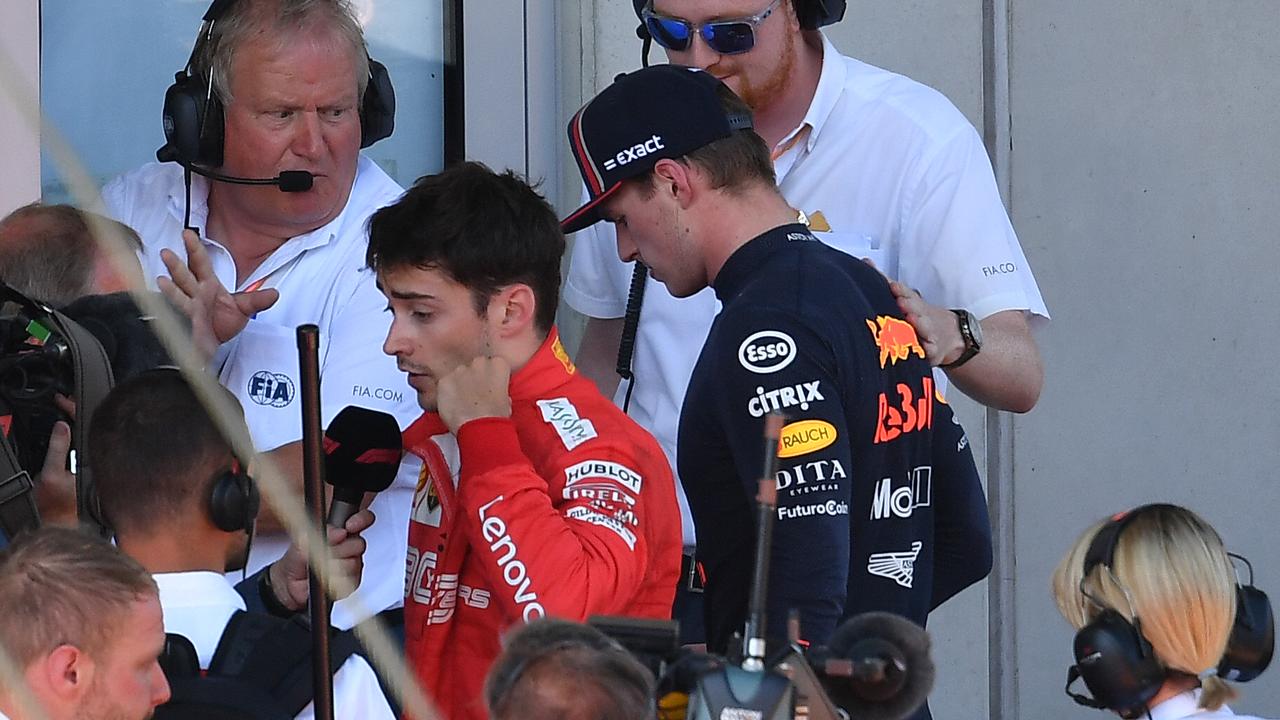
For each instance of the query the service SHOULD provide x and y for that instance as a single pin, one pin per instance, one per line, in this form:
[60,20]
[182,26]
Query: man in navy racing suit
[879,506]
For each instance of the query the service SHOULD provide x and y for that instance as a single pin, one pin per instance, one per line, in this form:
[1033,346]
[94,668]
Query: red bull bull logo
[895,338]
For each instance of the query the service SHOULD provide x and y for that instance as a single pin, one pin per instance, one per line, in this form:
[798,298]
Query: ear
[67,672]
[678,180]
[512,310]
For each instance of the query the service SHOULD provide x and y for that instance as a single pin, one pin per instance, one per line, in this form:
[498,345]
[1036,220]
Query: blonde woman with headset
[1161,621]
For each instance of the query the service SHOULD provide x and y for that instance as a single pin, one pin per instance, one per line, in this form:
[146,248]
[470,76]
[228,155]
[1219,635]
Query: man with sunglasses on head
[882,167]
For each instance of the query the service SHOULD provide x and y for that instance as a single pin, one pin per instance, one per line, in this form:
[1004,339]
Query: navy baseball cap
[663,111]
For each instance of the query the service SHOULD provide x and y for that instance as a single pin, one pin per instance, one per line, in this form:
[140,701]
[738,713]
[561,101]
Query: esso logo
[767,351]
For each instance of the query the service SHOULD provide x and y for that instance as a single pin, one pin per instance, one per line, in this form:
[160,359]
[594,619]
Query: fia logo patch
[271,389]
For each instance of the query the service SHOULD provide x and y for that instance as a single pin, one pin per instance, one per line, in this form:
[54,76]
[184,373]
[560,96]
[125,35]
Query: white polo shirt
[322,279]
[886,169]
[198,606]
[1184,707]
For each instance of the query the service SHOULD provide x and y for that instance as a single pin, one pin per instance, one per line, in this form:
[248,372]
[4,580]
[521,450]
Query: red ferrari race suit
[565,509]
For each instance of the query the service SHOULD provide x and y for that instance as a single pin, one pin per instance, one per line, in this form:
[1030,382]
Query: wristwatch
[971,332]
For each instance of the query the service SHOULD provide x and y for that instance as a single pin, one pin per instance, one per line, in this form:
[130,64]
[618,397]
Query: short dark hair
[62,586]
[48,252]
[153,448]
[595,673]
[733,163]
[485,230]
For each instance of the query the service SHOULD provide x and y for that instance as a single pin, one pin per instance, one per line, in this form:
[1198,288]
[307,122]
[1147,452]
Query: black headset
[233,500]
[193,113]
[812,14]
[1118,664]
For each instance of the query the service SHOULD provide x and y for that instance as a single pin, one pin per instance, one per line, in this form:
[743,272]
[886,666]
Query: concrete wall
[19,86]
[1144,182]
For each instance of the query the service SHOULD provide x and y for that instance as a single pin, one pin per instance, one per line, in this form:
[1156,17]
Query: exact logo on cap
[635,152]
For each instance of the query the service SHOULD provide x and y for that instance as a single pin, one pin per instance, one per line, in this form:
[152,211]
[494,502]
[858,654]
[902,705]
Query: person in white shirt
[1161,620]
[181,504]
[882,167]
[82,623]
[291,79]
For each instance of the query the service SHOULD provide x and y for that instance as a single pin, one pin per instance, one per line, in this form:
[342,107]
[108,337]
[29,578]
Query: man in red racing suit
[537,496]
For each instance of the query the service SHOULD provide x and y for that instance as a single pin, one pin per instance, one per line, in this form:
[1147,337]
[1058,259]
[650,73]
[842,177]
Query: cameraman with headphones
[1162,622]
[184,508]
[269,115]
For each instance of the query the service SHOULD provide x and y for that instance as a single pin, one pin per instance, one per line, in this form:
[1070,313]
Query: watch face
[975,329]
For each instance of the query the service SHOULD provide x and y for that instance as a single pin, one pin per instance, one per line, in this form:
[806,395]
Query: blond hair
[1181,584]
[284,22]
[60,586]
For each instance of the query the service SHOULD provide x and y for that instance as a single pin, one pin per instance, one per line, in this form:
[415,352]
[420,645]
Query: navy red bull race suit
[566,509]
[880,506]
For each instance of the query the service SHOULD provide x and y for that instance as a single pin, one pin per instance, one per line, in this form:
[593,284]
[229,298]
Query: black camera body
[44,353]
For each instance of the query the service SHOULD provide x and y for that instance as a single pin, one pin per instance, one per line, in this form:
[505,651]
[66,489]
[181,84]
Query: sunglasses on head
[727,37]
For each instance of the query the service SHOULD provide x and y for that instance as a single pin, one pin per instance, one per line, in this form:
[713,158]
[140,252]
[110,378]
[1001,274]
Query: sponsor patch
[558,350]
[767,351]
[426,499]
[603,470]
[595,518]
[804,437]
[514,572]
[900,499]
[811,477]
[272,389]
[780,398]
[830,507]
[635,152]
[601,494]
[896,339]
[907,415]
[899,567]
[563,416]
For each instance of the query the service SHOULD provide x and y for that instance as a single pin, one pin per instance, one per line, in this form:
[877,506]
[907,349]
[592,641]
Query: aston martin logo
[897,566]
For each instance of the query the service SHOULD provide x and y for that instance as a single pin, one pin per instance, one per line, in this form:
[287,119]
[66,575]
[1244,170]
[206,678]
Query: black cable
[186,213]
[630,323]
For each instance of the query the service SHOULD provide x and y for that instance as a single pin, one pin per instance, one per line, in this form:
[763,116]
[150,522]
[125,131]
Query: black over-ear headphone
[1118,664]
[193,113]
[812,14]
[233,500]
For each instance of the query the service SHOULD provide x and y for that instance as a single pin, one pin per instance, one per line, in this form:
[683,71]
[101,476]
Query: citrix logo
[635,152]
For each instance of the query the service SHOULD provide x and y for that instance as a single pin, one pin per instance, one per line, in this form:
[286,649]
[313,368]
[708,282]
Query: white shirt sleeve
[356,694]
[958,246]
[598,281]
